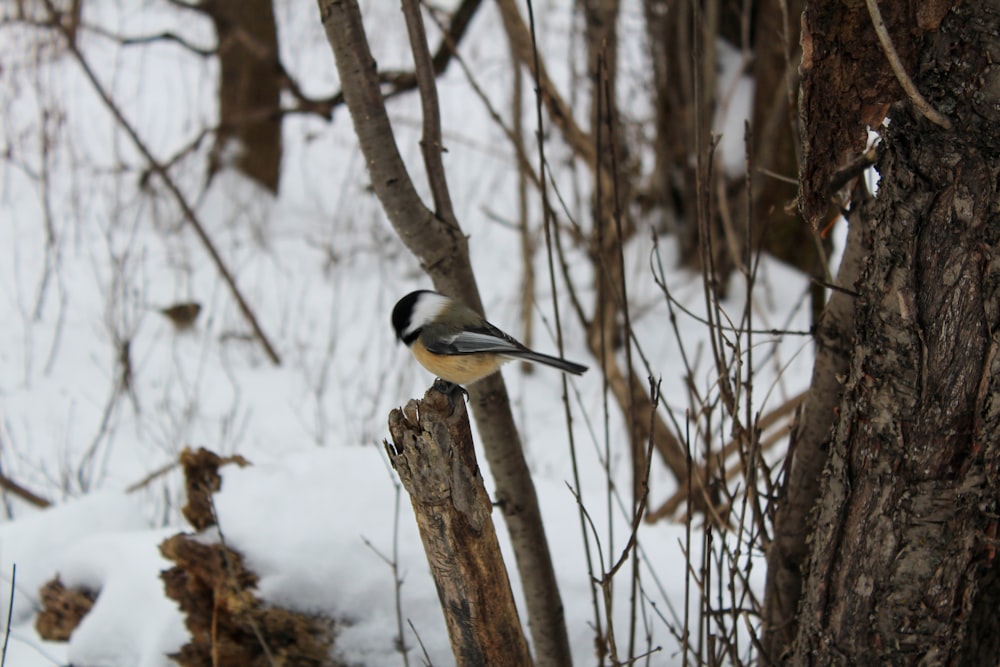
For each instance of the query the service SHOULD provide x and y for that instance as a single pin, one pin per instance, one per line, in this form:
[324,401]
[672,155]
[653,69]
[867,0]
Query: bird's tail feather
[554,362]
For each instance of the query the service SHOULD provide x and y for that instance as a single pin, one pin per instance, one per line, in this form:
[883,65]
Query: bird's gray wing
[473,341]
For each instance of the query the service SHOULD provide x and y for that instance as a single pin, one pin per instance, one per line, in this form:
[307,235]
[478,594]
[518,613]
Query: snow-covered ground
[87,257]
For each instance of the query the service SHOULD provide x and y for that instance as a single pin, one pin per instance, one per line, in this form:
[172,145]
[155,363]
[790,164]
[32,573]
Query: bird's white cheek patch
[425,309]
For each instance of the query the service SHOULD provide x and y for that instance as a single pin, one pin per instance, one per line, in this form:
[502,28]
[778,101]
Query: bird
[457,345]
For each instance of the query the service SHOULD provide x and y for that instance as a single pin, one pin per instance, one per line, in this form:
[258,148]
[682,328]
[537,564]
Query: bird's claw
[449,389]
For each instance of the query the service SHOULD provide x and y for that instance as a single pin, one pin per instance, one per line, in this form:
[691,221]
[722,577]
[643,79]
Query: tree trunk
[810,441]
[902,567]
[250,89]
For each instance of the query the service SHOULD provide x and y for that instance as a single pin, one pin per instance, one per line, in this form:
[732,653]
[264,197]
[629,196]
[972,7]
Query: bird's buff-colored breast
[461,369]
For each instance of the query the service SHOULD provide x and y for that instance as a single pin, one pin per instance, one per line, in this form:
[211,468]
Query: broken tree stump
[433,454]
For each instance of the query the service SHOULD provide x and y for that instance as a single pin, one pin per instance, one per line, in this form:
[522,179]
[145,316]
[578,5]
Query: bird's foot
[450,389]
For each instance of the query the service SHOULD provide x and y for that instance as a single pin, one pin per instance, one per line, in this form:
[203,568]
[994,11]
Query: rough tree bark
[436,239]
[810,440]
[435,458]
[902,567]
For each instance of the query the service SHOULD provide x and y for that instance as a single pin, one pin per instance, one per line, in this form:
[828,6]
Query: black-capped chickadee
[453,342]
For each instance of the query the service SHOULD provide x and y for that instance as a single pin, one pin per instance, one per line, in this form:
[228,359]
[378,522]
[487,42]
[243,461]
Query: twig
[689,490]
[431,145]
[641,502]
[85,472]
[10,614]
[24,494]
[763,425]
[166,36]
[520,152]
[659,278]
[560,112]
[640,468]
[451,35]
[172,186]
[524,227]
[837,288]
[855,168]
[427,657]
[159,472]
[775,175]
[397,581]
[616,502]
[547,225]
[929,112]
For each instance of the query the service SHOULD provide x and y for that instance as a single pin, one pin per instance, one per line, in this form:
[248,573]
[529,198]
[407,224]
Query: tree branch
[559,111]
[160,171]
[23,493]
[432,145]
[167,36]
[929,112]
[443,251]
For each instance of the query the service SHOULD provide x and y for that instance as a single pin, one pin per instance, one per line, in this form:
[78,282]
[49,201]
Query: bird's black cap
[402,314]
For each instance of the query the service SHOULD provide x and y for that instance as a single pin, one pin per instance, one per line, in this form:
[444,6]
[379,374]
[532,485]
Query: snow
[39,542]
[316,512]
[124,567]
[735,99]
[98,542]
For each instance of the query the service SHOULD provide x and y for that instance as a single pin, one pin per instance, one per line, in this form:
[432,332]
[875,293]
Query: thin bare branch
[153,476]
[764,423]
[896,64]
[157,168]
[432,144]
[23,493]
[10,613]
[167,36]
[559,111]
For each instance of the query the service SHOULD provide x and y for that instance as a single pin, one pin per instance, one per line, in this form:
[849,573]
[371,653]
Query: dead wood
[434,455]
